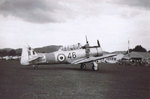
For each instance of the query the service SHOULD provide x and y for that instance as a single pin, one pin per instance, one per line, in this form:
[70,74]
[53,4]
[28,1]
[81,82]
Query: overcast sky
[65,22]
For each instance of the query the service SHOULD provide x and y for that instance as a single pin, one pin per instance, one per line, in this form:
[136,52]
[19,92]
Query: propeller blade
[86,39]
[98,43]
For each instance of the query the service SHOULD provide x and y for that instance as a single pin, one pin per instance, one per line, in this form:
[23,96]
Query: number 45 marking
[72,55]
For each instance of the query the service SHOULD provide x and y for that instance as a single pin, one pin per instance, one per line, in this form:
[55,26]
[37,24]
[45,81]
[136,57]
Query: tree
[12,53]
[3,53]
[139,48]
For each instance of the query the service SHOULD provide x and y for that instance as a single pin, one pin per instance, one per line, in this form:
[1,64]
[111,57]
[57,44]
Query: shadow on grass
[61,68]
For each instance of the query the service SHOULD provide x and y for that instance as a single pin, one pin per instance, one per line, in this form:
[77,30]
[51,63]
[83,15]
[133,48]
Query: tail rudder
[27,53]
[24,56]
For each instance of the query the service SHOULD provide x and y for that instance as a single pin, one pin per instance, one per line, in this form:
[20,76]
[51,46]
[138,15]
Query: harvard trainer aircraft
[65,55]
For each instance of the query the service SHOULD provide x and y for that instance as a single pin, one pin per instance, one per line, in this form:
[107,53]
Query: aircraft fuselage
[63,57]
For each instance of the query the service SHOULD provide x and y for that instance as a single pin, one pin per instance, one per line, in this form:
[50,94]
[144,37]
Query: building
[140,58]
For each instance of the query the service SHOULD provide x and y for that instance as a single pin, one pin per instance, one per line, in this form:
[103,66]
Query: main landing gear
[83,66]
[94,67]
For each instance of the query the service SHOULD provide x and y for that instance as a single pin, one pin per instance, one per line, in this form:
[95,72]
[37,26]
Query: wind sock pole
[128,47]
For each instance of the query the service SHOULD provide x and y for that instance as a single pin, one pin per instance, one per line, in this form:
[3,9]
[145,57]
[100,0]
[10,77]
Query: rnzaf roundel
[61,57]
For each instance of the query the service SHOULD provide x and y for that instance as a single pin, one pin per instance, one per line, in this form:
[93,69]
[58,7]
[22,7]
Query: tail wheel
[83,66]
[35,66]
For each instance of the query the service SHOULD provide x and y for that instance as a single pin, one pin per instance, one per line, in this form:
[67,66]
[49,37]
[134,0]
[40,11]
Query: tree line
[10,52]
[17,52]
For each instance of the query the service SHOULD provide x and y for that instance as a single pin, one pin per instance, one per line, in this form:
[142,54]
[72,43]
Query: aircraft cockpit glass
[33,52]
[71,47]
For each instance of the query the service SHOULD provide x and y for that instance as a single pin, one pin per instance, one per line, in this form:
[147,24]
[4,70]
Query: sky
[41,23]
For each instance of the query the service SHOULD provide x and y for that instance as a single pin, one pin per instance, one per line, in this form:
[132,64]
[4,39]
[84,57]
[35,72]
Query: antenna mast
[128,47]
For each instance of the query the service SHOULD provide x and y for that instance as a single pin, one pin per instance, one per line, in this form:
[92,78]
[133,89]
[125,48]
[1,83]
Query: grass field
[69,82]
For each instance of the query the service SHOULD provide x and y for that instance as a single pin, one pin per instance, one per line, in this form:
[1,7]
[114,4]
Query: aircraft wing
[90,59]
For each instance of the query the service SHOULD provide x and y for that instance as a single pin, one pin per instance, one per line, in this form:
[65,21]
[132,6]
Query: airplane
[65,55]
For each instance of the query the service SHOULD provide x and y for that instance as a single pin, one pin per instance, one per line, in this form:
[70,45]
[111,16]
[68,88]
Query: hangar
[138,57]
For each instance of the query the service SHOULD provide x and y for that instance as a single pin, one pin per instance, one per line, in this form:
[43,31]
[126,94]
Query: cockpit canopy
[71,47]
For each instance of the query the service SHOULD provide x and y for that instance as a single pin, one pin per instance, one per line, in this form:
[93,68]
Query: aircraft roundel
[61,57]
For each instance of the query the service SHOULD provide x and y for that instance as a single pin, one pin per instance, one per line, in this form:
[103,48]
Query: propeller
[87,47]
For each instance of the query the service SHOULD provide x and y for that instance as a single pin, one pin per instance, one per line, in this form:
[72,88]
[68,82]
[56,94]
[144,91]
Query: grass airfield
[66,81]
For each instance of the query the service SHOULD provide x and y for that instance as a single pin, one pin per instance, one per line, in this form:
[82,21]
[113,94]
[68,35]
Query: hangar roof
[143,55]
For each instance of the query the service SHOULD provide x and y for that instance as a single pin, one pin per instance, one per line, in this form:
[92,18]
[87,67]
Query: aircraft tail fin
[27,52]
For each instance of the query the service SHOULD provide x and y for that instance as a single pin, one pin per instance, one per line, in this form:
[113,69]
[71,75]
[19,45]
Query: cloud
[46,11]
[38,11]
[145,4]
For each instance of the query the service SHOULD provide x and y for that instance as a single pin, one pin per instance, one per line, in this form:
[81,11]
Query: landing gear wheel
[83,66]
[95,66]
